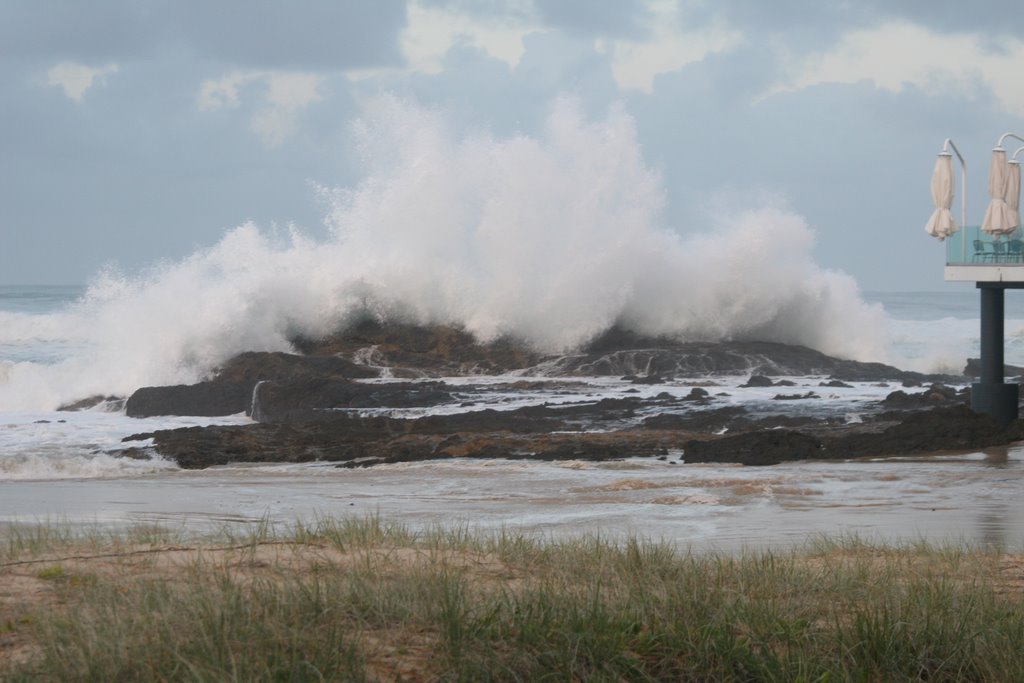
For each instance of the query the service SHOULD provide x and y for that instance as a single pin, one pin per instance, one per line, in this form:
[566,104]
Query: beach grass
[365,599]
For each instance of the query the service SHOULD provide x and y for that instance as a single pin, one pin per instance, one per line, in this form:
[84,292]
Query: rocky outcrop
[208,399]
[315,406]
[948,428]
[231,389]
[349,437]
[369,349]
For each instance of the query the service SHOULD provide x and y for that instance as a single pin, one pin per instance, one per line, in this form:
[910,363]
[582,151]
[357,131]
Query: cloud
[895,55]
[433,29]
[666,47]
[75,79]
[283,97]
[222,93]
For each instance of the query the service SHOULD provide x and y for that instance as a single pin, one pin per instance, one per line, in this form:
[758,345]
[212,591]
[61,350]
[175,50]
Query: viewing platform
[974,256]
[991,256]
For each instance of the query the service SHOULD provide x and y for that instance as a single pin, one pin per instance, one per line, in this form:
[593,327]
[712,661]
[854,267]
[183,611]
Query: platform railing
[971,247]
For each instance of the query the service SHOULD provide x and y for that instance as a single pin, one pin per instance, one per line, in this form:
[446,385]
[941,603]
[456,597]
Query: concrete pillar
[991,396]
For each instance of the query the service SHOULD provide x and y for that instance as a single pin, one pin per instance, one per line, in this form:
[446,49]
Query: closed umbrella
[998,219]
[1013,191]
[941,224]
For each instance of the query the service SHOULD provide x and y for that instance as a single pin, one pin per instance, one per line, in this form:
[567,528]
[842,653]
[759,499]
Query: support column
[991,396]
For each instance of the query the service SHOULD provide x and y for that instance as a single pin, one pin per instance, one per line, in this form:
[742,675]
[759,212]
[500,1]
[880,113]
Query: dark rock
[207,399]
[646,379]
[794,397]
[758,381]
[952,427]
[973,369]
[696,394]
[836,384]
[785,383]
[436,350]
[936,393]
[255,366]
[768,447]
[297,400]
[231,389]
[728,417]
[115,402]
[946,428]
[692,359]
[365,441]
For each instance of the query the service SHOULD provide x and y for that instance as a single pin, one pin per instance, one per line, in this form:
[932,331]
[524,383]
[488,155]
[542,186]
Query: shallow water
[973,499]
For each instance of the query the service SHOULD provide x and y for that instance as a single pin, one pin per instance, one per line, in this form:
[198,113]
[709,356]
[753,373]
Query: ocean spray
[551,239]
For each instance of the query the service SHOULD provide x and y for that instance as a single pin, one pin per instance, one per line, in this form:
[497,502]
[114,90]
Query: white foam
[82,445]
[551,238]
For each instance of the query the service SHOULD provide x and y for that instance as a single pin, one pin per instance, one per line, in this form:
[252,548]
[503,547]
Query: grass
[362,599]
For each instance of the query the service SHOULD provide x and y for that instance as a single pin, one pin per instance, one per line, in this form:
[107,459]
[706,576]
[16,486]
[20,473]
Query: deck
[973,256]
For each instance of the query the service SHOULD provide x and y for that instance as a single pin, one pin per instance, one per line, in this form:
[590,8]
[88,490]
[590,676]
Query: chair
[998,251]
[1015,251]
[979,251]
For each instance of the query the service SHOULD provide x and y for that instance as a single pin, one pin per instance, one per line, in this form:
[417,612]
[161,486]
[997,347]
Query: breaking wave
[551,238]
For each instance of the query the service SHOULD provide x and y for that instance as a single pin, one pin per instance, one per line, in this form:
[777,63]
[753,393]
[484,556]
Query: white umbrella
[941,224]
[1013,191]
[998,219]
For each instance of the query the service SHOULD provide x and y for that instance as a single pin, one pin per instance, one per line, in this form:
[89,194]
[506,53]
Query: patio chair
[979,251]
[998,251]
[1015,251]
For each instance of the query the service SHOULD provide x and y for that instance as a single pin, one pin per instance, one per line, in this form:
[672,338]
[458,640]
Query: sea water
[56,466]
[549,238]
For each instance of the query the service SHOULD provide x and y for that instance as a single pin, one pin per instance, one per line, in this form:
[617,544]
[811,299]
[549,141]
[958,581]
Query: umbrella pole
[991,396]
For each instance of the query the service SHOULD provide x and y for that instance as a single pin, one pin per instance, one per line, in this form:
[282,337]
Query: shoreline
[972,498]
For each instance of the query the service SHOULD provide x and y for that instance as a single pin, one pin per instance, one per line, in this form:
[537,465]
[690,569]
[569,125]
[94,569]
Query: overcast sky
[134,131]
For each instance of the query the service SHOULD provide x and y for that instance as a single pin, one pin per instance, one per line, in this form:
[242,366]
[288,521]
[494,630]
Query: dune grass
[361,599]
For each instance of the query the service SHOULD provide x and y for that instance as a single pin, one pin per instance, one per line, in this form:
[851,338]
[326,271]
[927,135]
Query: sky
[133,132]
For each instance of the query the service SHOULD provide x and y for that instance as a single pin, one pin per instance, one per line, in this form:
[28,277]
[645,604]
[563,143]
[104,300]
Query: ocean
[551,239]
[57,466]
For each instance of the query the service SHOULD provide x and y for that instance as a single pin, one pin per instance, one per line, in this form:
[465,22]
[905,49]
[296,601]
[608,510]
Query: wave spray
[551,238]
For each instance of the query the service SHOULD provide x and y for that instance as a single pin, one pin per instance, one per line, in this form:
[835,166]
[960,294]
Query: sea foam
[551,238]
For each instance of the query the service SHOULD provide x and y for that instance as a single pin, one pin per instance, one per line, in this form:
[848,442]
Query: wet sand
[973,499]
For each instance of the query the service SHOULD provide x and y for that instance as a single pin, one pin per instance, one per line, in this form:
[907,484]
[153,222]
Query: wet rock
[434,351]
[754,448]
[951,427]
[758,381]
[794,397]
[299,400]
[936,393]
[727,417]
[836,384]
[259,366]
[973,369]
[113,402]
[231,390]
[365,441]
[646,379]
[696,394]
[643,356]
[207,399]
[946,428]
